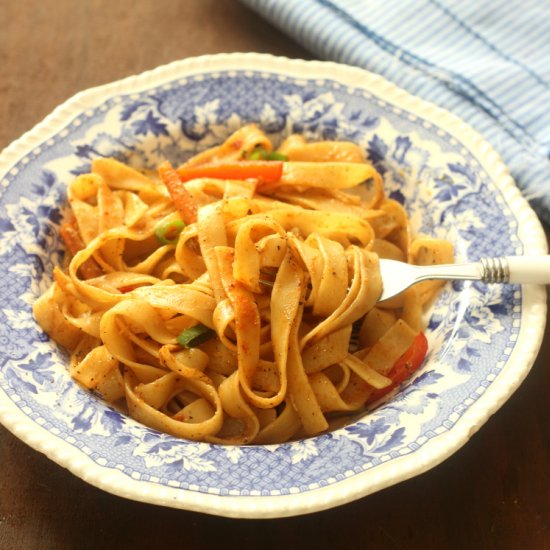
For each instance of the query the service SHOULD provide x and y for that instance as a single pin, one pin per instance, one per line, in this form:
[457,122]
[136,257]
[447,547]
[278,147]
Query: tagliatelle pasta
[234,299]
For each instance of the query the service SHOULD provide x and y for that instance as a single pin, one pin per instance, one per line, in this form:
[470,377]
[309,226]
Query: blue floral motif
[377,436]
[40,370]
[150,124]
[402,146]
[131,108]
[446,192]
[377,152]
[465,171]
[447,189]
[369,431]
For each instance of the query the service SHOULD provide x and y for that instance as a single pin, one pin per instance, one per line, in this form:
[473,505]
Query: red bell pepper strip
[71,238]
[181,198]
[264,171]
[408,363]
[129,288]
[74,243]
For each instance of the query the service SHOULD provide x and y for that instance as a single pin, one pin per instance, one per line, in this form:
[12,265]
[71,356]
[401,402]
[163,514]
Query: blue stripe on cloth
[488,62]
[471,31]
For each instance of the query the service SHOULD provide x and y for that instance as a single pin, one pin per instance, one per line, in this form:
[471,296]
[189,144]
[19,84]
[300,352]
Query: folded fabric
[487,62]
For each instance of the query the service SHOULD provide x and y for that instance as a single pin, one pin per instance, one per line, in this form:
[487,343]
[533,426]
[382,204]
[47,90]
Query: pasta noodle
[234,299]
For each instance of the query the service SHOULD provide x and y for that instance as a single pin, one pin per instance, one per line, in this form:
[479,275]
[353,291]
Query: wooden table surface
[493,493]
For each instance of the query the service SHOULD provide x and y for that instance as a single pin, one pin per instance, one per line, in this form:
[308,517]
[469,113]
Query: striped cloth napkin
[487,62]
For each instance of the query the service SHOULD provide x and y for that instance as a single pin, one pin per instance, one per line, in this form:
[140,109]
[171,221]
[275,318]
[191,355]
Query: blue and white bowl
[483,339]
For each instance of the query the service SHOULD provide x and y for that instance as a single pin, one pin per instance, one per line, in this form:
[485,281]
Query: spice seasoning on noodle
[233,299]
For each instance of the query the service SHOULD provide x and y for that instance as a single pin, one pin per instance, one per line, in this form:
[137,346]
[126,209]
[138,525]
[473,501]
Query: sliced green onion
[194,336]
[275,155]
[169,232]
[261,154]
[257,154]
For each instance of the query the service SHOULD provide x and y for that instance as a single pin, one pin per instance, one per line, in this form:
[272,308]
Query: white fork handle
[529,269]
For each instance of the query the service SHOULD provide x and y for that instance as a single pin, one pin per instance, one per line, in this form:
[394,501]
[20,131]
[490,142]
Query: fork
[398,276]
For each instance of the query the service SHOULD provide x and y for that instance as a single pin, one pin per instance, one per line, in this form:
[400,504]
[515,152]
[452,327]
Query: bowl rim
[533,315]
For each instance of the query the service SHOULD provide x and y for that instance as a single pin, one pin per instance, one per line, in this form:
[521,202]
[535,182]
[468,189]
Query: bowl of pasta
[190,270]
